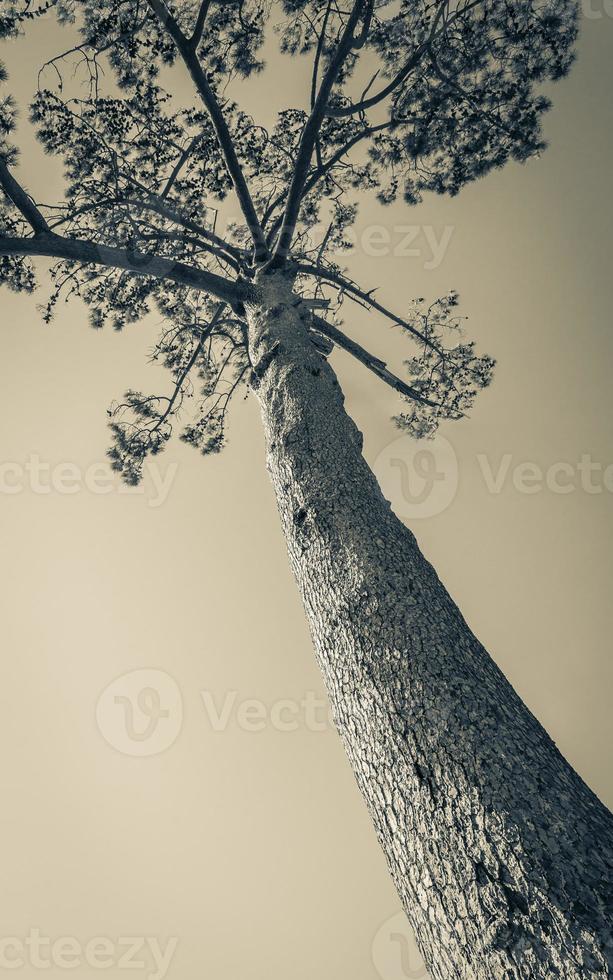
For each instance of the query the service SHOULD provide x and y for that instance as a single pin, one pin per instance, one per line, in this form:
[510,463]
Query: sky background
[253,848]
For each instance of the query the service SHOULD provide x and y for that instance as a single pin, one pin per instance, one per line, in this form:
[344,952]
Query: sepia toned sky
[241,839]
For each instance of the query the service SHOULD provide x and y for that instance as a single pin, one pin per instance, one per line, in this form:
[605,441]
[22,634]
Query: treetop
[404,98]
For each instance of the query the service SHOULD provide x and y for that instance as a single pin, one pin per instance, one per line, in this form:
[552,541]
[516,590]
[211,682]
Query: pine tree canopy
[405,97]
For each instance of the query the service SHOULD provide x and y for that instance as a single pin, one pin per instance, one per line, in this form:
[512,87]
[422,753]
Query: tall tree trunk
[501,854]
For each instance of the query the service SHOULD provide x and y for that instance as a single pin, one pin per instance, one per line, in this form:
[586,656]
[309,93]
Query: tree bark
[501,854]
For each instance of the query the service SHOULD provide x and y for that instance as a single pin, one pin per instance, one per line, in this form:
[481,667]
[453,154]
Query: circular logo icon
[394,952]
[141,712]
[418,476]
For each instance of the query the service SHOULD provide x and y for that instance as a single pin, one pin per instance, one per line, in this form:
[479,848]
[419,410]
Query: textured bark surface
[501,854]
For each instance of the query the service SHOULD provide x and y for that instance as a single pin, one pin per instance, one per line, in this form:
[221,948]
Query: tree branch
[196,37]
[360,296]
[309,135]
[220,126]
[21,200]
[156,235]
[328,164]
[176,170]
[323,168]
[407,68]
[134,262]
[374,364]
[360,41]
[165,211]
[206,333]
